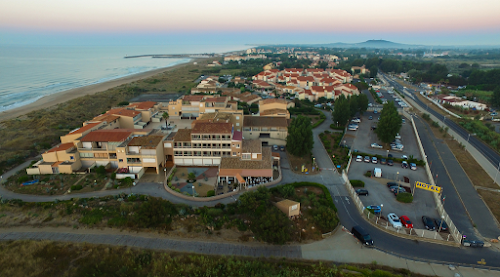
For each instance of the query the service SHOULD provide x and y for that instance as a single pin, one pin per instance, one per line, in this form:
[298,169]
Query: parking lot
[391,97]
[379,193]
[361,139]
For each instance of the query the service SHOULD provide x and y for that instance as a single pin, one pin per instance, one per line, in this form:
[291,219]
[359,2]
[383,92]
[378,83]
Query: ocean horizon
[29,73]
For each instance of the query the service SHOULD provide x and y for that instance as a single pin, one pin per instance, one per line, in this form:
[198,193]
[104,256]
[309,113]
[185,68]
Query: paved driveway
[423,202]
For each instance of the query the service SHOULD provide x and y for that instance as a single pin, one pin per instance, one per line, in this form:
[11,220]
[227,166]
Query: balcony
[95,149]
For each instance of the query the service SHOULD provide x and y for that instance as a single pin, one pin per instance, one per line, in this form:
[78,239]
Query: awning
[240,179]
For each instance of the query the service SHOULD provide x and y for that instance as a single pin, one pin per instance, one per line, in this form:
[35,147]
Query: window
[238,145]
[120,160]
[254,155]
[237,124]
[168,145]
[294,207]
[71,157]
[245,156]
[237,118]
[234,153]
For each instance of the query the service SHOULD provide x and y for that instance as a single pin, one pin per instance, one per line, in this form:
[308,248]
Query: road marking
[481,262]
[347,199]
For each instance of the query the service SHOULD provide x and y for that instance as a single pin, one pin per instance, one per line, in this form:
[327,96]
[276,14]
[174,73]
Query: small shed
[289,207]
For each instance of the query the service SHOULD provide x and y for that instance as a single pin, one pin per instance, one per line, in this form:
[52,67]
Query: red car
[406,221]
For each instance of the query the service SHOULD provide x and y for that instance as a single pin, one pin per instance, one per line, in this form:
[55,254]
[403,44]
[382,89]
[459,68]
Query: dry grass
[492,200]
[297,162]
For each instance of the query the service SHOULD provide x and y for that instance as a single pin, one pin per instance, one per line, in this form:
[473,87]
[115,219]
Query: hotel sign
[422,185]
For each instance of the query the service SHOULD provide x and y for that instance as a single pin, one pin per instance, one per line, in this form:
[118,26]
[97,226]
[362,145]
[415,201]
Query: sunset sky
[442,22]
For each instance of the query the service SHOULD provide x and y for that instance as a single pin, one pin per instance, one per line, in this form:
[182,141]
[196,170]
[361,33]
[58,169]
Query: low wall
[217,197]
[456,234]
[440,106]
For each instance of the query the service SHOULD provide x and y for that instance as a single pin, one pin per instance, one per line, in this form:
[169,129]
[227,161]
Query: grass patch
[357,183]
[404,197]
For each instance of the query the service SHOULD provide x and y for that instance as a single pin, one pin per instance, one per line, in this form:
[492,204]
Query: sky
[428,22]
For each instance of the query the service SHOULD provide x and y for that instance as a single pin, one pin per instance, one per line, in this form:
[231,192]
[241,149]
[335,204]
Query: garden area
[338,154]
[204,180]
[58,184]
[254,216]
[45,258]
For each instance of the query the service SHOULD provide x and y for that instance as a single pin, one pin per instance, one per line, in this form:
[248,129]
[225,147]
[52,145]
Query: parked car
[362,235]
[392,184]
[282,148]
[413,166]
[398,136]
[390,163]
[394,220]
[441,223]
[428,223]
[404,157]
[375,112]
[359,158]
[376,145]
[383,161]
[404,164]
[403,121]
[275,147]
[376,209]
[373,127]
[356,120]
[397,189]
[370,117]
[374,160]
[389,156]
[397,147]
[362,192]
[406,221]
[367,159]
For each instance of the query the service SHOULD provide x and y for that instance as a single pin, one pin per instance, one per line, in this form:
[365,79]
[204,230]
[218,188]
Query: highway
[484,149]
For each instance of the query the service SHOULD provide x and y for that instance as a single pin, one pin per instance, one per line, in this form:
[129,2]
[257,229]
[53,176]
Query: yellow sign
[422,185]
[481,262]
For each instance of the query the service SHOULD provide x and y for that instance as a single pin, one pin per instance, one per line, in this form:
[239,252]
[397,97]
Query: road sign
[422,185]
[482,261]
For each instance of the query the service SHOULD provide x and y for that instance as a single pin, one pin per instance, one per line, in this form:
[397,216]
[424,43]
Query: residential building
[270,130]
[191,106]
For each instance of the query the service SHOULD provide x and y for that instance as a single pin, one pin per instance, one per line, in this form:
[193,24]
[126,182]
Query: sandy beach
[61,97]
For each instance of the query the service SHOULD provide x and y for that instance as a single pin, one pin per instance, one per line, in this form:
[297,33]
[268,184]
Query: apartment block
[270,130]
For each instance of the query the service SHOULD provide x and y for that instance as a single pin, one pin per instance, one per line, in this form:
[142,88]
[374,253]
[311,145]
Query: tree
[373,71]
[300,137]
[389,123]
[353,105]
[165,115]
[362,103]
[495,98]
[341,111]
[191,176]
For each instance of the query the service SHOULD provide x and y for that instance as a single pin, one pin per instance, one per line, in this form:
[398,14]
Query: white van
[377,172]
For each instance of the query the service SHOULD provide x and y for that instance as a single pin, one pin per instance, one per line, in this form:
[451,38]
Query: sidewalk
[344,248]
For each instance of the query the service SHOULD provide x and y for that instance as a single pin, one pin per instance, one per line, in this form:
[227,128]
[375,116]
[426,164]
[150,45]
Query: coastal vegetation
[29,135]
[253,216]
[45,258]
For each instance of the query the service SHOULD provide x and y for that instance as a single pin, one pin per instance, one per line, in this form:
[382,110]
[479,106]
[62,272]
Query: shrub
[76,187]
[210,193]
[123,103]
[368,174]
[357,183]
[100,170]
[113,176]
[405,197]
[23,179]
[191,176]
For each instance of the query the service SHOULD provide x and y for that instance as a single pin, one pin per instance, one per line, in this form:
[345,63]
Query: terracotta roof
[314,70]
[85,128]
[264,121]
[237,135]
[273,100]
[216,99]
[322,88]
[116,135]
[305,78]
[183,135]
[106,117]
[192,98]
[238,163]
[56,164]
[123,112]
[212,128]
[143,105]
[61,147]
[251,146]
[273,112]
[150,141]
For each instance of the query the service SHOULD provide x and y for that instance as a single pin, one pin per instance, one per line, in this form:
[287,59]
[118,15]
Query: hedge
[210,193]
[396,160]
[310,184]
[337,127]
[404,197]
[357,183]
[76,187]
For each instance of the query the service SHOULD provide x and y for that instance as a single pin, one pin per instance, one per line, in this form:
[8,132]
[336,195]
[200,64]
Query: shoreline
[64,96]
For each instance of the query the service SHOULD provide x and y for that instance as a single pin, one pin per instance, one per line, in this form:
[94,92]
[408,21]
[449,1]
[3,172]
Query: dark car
[370,117]
[404,164]
[390,162]
[282,148]
[383,161]
[389,156]
[428,223]
[362,235]
[392,184]
[441,223]
[362,192]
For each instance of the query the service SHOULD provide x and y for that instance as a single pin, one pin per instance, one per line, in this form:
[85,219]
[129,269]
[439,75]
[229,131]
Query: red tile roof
[61,147]
[115,135]
[216,99]
[192,97]
[85,128]
[322,88]
[305,78]
[123,112]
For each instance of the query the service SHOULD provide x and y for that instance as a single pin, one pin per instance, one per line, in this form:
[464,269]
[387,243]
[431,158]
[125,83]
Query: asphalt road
[461,197]
[348,214]
[484,149]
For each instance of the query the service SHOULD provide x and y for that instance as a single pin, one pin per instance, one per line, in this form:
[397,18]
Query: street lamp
[165,170]
[193,190]
[397,180]
[441,223]
[381,206]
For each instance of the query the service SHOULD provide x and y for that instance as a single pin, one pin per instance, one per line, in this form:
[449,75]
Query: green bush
[123,103]
[368,174]
[210,193]
[23,179]
[76,187]
[357,183]
[113,176]
[405,197]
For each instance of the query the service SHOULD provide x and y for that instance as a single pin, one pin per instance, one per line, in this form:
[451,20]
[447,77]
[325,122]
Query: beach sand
[61,97]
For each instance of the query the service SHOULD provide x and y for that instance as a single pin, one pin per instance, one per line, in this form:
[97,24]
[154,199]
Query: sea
[28,73]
